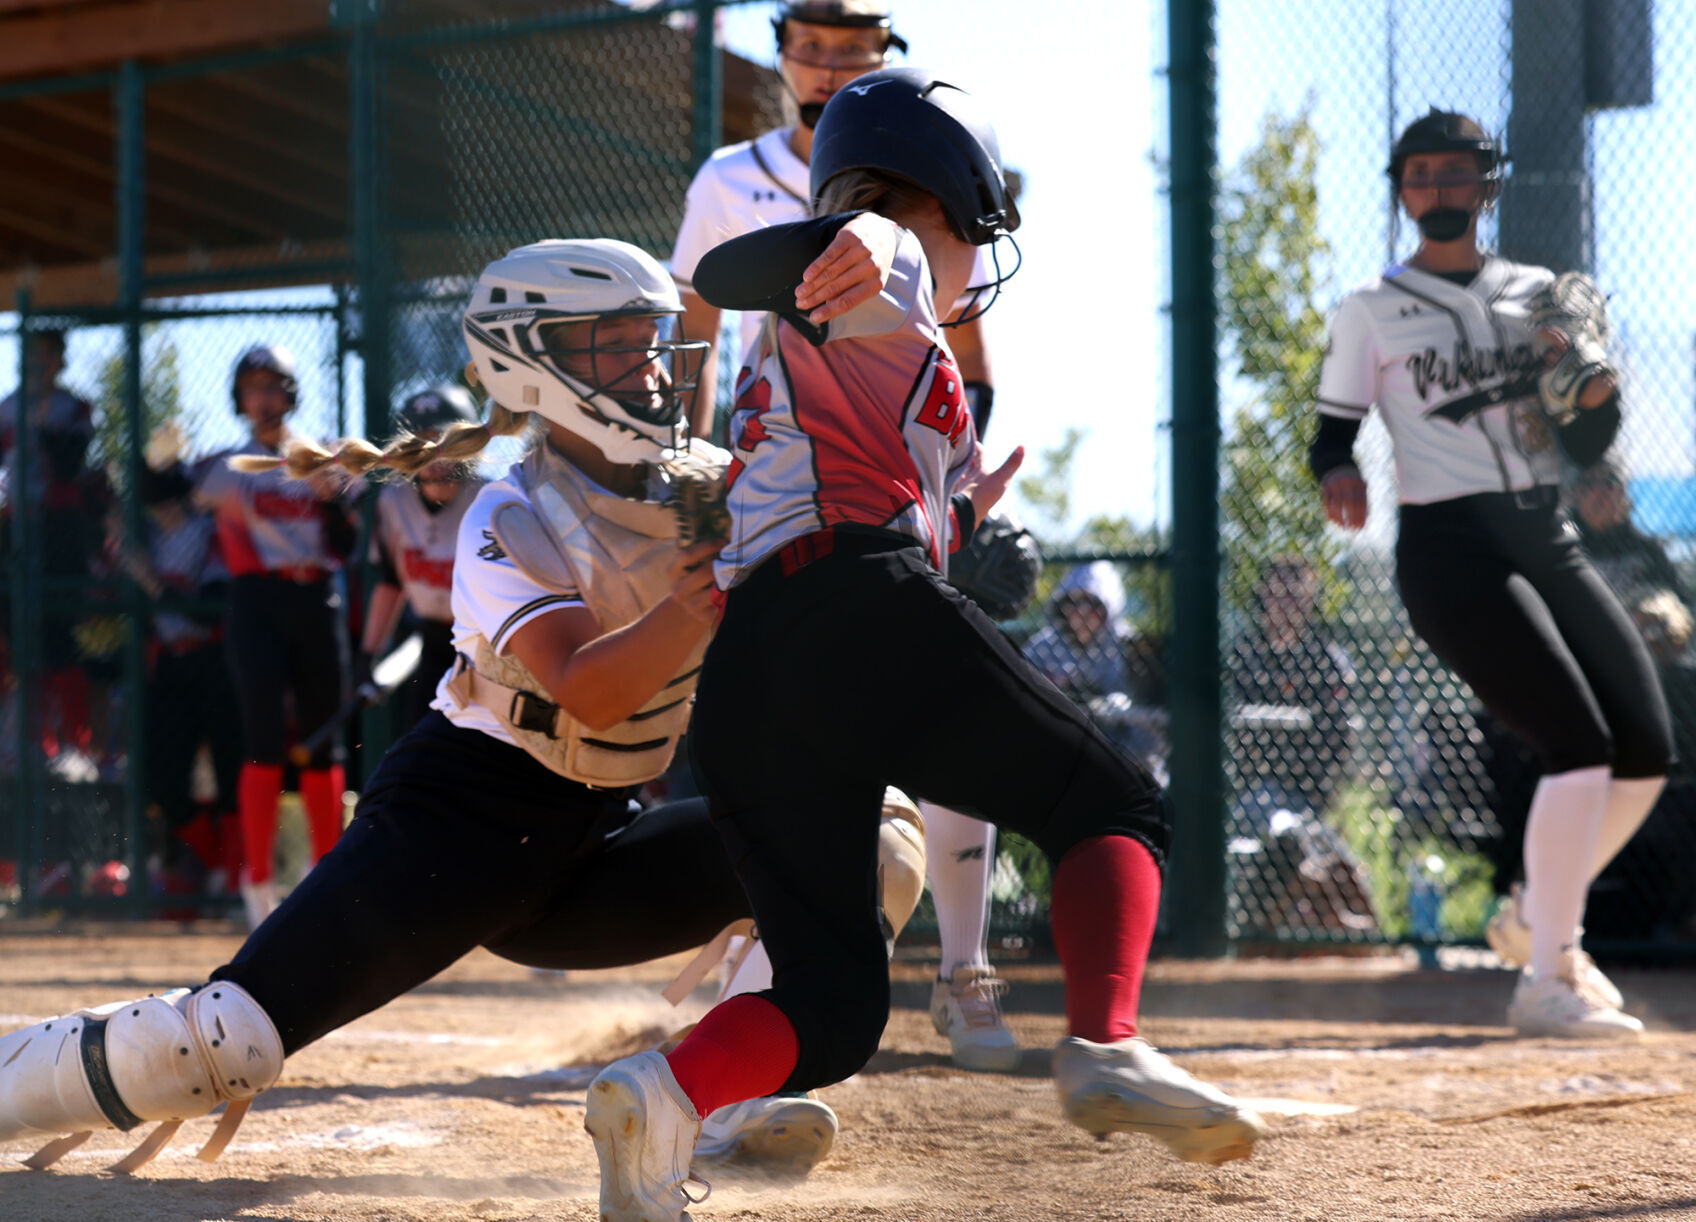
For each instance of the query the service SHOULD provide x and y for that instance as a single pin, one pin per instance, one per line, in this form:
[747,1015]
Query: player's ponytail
[406,453]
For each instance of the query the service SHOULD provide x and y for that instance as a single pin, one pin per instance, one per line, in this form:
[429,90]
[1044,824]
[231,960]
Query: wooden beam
[83,38]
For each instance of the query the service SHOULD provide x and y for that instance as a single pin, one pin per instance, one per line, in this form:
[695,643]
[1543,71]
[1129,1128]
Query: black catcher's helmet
[278,359]
[853,14]
[436,408]
[905,122]
[1447,131]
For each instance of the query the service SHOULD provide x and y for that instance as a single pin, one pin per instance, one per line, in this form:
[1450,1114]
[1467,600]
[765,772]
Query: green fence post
[709,85]
[1197,874]
[130,103]
[31,794]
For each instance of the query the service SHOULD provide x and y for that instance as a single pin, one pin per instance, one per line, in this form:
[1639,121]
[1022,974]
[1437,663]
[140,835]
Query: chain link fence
[1364,795]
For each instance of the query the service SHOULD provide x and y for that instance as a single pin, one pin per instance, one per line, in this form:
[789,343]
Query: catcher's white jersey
[1453,371]
[870,429]
[414,543]
[748,186]
[492,598]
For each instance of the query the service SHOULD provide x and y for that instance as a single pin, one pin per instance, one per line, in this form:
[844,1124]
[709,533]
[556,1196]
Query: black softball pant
[285,637]
[192,703]
[1501,590]
[462,841]
[865,669]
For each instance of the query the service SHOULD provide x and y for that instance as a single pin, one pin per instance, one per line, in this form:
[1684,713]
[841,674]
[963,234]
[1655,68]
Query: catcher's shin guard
[168,1058]
[900,862]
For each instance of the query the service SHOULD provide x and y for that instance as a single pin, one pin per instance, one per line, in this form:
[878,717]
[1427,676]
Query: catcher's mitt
[998,569]
[1574,308]
[692,486]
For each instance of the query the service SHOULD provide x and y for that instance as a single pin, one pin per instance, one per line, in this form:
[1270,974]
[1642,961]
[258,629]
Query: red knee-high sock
[230,850]
[321,794]
[257,793]
[200,836]
[744,1048]
[1106,898]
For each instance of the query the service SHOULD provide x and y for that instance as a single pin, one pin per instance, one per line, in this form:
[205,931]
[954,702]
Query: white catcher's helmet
[520,297]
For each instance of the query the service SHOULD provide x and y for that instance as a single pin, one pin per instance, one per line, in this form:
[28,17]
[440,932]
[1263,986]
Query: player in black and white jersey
[824,46]
[507,817]
[413,540]
[1489,567]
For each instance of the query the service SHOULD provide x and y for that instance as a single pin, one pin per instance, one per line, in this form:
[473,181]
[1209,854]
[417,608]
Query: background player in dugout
[478,829]
[1489,568]
[287,642]
[824,45]
[835,603]
[413,540]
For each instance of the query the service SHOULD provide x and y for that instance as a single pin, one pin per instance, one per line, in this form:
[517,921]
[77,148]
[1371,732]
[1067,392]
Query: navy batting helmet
[274,357]
[1447,131]
[905,122]
[434,409]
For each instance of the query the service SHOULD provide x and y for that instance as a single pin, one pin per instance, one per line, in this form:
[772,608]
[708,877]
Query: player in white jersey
[282,539]
[823,46]
[844,660]
[506,818]
[413,538]
[1489,568]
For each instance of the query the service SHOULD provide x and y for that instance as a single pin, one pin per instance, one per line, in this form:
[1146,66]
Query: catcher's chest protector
[616,553]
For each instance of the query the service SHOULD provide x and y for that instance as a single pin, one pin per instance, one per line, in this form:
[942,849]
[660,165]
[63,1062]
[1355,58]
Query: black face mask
[1444,224]
[810,112]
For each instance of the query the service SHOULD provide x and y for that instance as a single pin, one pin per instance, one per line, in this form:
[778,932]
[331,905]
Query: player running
[856,470]
[1480,368]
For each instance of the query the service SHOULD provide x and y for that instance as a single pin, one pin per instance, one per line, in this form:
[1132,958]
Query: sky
[1078,338]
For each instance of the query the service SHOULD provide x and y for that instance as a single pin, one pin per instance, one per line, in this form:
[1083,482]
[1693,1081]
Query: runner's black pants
[864,669]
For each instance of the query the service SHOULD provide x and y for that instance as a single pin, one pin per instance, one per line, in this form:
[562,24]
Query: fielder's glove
[1574,308]
[693,488]
[999,568]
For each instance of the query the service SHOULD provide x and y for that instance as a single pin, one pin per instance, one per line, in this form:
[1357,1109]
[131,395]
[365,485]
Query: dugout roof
[248,134]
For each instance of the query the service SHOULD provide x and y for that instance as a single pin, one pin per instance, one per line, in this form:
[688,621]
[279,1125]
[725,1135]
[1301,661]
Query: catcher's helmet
[434,409]
[851,14]
[905,122]
[1447,131]
[274,357]
[520,298]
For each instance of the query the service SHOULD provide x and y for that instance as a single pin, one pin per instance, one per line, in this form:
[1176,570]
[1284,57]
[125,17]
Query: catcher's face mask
[1444,191]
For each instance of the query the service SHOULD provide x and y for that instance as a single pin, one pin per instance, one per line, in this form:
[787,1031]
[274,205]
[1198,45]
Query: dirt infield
[1393,1093]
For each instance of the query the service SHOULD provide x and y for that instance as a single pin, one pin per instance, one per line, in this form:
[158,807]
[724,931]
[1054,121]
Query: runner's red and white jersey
[872,428]
[492,597]
[748,186]
[1453,371]
[413,543]
[268,520]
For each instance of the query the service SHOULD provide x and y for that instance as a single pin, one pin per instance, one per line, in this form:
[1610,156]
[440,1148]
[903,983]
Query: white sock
[959,859]
[1629,803]
[1560,843]
[753,974]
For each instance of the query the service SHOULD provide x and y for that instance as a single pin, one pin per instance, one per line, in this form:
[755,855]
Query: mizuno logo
[863,90]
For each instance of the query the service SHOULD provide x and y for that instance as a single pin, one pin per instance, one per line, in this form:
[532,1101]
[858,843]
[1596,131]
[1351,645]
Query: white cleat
[1129,1087]
[782,1136]
[644,1129]
[967,1009]
[1510,937]
[1563,1007]
[258,900]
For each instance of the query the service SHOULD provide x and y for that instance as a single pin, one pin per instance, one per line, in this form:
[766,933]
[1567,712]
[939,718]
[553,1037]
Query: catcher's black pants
[463,841]
[285,638]
[860,670]
[1501,590]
